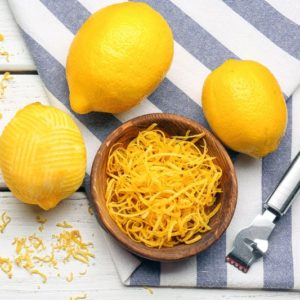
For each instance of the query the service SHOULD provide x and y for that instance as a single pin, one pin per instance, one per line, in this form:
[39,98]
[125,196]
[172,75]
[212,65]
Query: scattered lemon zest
[64,224]
[24,252]
[36,242]
[3,81]
[162,191]
[84,296]
[31,252]
[92,82]
[150,291]
[7,76]
[43,276]
[25,248]
[70,278]
[41,219]
[48,259]
[83,273]
[5,54]
[71,243]
[90,210]
[41,227]
[6,266]
[6,219]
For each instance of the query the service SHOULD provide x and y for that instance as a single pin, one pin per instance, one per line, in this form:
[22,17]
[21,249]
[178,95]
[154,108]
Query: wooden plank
[20,91]
[20,59]
[132,293]
[73,210]
[101,280]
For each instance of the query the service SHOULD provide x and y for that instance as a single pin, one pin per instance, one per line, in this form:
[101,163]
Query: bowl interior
[171,125]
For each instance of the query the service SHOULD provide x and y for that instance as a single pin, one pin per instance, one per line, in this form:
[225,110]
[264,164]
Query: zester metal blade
[251,243]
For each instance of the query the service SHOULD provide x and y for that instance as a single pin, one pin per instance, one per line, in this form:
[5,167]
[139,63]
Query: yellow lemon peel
[64,224]
[83,273]
[40,135]
[70,278]
[71,243]
[6,266]
[149,290]
[118,57]
[42,275]
[3,82]
[3,52]
[90,210]
[6,219]
[48,259]
[162,191]
[30,252]
[36,242]
[245,107]
[40,219]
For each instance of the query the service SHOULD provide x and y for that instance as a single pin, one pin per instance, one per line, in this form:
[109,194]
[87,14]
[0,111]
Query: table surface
[101,280]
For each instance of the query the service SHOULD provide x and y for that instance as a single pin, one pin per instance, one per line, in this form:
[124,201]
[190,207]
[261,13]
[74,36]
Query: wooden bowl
[171,125]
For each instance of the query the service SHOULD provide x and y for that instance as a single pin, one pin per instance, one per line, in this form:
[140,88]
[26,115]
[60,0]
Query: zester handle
[287,189]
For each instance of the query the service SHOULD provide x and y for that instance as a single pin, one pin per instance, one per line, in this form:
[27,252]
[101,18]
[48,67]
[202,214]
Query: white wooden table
[101,280]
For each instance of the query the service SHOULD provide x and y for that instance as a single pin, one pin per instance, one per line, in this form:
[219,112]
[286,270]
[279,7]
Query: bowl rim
[122,239]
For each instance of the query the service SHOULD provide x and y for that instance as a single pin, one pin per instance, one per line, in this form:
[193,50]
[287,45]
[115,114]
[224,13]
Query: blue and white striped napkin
[206,33]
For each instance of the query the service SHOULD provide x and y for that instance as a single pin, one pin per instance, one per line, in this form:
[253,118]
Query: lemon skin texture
[42,155]
[245,107]
[118,57]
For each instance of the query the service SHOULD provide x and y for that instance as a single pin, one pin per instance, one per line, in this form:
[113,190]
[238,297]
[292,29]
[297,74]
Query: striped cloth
[206,33]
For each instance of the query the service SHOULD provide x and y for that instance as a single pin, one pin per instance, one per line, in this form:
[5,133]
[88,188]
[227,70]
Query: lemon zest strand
[70,278]
[83,273]
[64,224]
[6,266]
[6,219]
[41,219]
[43,276]
[71,243]
[5,78]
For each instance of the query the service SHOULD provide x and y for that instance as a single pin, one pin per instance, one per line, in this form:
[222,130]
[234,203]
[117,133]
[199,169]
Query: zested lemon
[245,107]
[42,155]
[118,57]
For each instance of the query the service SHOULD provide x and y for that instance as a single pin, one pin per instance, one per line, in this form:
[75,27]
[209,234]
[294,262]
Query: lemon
[244,106]
[118,57]
[42,155]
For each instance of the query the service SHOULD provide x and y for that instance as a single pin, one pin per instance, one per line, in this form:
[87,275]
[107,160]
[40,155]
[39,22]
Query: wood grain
[20,59]
[101,281]
[171,125]
[104,282]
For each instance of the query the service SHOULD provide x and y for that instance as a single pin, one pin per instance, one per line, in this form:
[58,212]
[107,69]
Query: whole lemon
[118,57]
[245,107]
[42,155]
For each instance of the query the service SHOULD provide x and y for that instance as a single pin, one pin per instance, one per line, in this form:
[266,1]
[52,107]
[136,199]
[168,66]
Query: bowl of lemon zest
[163,186]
